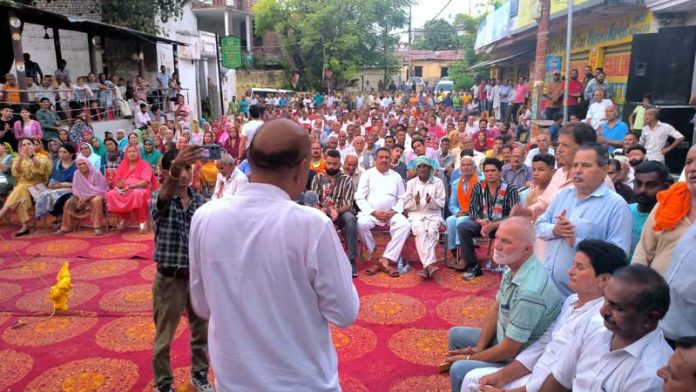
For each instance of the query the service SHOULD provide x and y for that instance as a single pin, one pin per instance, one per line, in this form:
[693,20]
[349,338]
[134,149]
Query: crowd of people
[592,231]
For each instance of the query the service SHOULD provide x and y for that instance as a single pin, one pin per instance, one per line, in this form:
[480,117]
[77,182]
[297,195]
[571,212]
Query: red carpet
[103,343]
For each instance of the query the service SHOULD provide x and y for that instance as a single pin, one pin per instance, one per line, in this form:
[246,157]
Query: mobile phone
[211,152]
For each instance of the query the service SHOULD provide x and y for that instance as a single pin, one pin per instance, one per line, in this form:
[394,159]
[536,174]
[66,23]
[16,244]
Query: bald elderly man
[287,264]
[527,303]
[613,131]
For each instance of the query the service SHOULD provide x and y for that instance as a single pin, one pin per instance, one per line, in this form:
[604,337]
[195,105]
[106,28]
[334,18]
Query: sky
[427,9]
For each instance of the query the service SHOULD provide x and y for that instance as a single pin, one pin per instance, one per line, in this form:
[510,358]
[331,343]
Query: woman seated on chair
[208,169]
[53,199]
[113,160]
[87,152]
[151,154]
[29,169]
[7,156]
[133,180]
[88,189]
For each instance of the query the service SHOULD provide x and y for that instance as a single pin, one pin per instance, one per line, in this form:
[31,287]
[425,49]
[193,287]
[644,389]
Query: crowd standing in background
[564,209]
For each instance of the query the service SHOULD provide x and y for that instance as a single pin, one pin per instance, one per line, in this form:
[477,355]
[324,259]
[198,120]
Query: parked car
[444,85]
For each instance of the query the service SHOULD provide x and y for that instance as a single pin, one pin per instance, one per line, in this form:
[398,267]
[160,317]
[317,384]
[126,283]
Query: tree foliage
[461,73]
[341,35]
[437,35]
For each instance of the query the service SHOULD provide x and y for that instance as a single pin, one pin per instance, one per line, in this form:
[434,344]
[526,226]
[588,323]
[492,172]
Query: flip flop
[388,268]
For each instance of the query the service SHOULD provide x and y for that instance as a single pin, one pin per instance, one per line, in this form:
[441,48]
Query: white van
[444,85]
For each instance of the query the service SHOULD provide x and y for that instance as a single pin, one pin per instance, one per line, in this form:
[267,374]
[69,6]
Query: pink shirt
[33,129]
[521,92]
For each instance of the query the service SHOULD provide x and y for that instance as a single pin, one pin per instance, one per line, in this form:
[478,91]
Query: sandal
[21,233]
[389,269]
[98,232]
[121,224]
[61,231]
[373,269]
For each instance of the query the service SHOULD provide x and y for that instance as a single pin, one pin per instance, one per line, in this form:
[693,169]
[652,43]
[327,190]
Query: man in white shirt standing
[626,354]
[229,178]
[655,134]
[287,277]
[380,197]
[594,263]
[249,130]
[424,200]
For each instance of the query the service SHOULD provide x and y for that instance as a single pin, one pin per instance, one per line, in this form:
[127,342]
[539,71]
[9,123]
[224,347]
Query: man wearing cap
[425,197]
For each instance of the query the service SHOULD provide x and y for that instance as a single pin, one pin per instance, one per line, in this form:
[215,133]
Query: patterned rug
[104,341]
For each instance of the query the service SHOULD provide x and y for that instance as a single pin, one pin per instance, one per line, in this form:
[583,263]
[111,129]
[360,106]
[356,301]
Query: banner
[529,9]
[494,27]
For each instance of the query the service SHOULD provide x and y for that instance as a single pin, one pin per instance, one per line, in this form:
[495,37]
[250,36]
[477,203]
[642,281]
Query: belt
[173,272]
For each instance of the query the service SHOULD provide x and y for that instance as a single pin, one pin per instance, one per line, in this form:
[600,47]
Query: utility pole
[408,72]
[569,46]
[540,59]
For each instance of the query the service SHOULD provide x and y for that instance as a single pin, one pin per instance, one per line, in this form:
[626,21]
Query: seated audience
[424,200]
[133,181]
[88,189]
[516,172]
[27,127]
[7,156]
[317,163]
[397,164]
[52,199]
[491,202]
[674,212]
[380,197]
[651,177]
[335,199]
[526,305]
[543,168]
[594,263]
[626,354]
[679,375]
[460,199]
[615,172]
[229,177]
[87,152]
[29,170]
[151,154]
[543,146]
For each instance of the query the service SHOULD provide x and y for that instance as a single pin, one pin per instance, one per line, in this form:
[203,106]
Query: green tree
[461,73]
[341,35]
[437,35]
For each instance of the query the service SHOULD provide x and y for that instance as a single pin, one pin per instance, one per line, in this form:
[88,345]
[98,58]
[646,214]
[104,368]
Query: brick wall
[87,9]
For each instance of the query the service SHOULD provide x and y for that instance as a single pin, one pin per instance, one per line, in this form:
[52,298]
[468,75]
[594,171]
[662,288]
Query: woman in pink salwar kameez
[134,180]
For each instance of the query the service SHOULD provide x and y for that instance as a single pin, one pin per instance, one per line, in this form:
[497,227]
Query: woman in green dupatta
[151,154]
[99,148]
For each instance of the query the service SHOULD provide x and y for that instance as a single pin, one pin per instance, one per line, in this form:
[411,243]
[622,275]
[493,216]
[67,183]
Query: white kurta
[541,355]
[270,275]
[425,217]
[227,187]
[382,192]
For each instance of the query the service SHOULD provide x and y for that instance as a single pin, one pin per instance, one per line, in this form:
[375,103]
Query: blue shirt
[615,133]
[554,130]
[639,219]
[604,215]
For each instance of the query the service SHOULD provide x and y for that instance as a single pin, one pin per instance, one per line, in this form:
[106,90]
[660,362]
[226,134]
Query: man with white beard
[527,303]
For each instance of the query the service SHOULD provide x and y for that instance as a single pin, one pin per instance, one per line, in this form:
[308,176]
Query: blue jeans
[460,337]
[452,237]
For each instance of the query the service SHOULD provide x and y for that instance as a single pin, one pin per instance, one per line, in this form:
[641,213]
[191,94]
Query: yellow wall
[605,44]
[268,79]
[431,69]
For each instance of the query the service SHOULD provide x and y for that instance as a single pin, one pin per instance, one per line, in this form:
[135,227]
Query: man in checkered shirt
[172,208]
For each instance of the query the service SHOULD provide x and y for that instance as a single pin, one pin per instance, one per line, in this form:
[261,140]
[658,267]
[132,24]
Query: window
[444,71]
[418,71]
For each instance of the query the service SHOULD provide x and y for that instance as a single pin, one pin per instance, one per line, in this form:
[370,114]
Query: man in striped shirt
[335,191]
[491,202]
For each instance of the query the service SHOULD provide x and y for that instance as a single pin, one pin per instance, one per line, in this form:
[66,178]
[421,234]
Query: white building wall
[184,29]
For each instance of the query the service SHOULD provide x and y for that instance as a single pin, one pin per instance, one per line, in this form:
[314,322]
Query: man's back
[271,275]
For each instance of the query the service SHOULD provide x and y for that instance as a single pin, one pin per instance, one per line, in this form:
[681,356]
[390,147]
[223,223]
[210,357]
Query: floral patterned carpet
[103,342]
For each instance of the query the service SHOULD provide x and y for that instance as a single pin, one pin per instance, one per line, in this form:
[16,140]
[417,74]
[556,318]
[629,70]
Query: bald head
[278,146]
[522,227]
